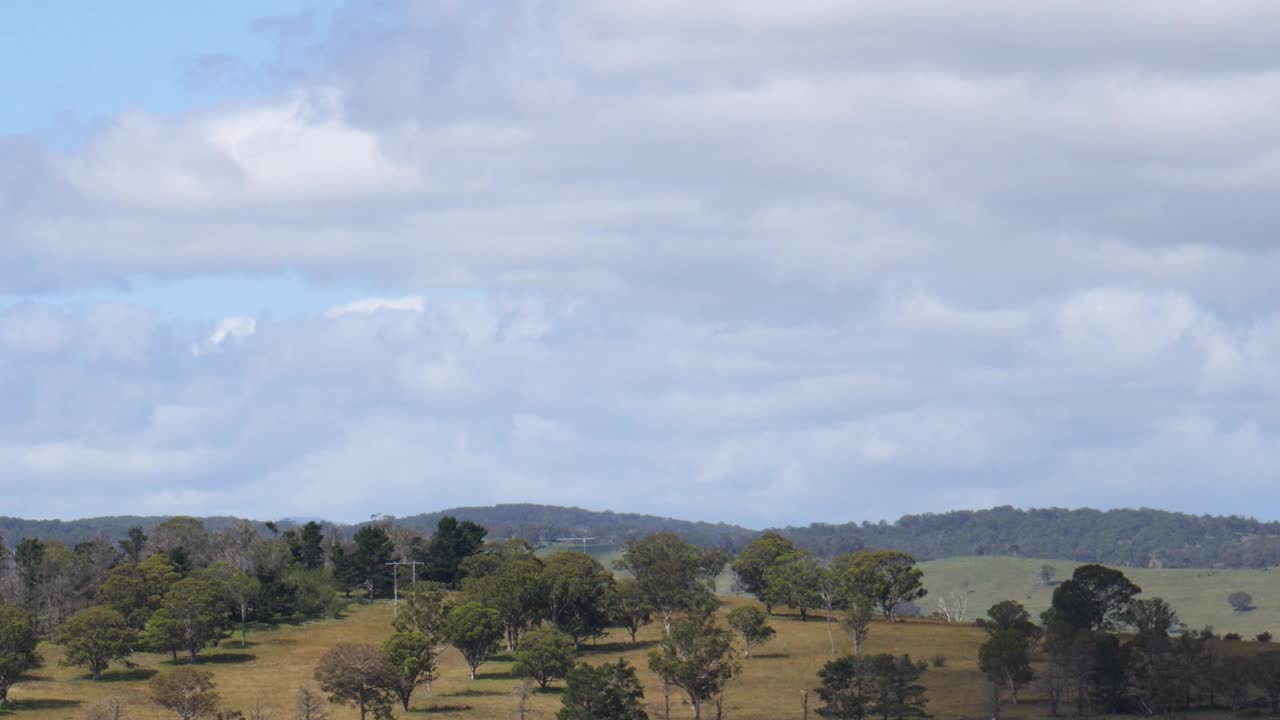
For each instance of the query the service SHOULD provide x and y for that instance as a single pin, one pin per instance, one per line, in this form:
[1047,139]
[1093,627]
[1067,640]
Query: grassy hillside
[1198,595]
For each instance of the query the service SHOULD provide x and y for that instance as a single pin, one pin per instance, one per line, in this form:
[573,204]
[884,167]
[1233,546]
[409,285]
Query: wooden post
[804,704]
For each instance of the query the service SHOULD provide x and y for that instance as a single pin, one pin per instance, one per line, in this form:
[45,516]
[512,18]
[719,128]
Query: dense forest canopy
[1131,538]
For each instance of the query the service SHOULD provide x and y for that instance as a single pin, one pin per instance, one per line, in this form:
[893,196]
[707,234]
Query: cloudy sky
[737,260]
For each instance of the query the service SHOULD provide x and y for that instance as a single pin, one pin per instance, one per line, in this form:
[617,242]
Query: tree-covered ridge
[1131,538]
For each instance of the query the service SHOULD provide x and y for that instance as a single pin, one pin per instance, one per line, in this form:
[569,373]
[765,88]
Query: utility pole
[395,582]
[582,540]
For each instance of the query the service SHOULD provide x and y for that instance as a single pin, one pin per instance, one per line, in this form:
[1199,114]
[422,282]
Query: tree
[857,620]
[579,595]
[1240,601]
[239,590]
[359,675]
[751,564]
[1047,574]
[545,654]
[184,539]
[475,630]
[452,543]
[186,691]
[752,625]
[424,607]
[514,587]
[1008,615]
[631,609]
[1152,616]
[1095,597]
[18,642]
[673,574]
[133,545]
[413,658]
[875,686]
[888,578]
[309,705]
[845,688]
[307,546]
[1005,659]
[136,590]
[192,616]
[94,637]
[367,562]
[606,692]
[696,657]
[1266,675]
[793,580]
[1070,663]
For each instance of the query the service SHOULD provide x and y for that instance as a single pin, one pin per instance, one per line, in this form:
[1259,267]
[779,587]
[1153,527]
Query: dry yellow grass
[278,661]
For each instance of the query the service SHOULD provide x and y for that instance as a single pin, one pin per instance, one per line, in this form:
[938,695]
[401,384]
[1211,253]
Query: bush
[545,654]
[1263,637]
[938,661]
[1231,636]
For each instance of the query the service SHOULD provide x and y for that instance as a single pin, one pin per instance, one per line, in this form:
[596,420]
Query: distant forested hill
[1132,538]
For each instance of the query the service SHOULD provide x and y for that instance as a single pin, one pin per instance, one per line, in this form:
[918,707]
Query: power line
[395,581]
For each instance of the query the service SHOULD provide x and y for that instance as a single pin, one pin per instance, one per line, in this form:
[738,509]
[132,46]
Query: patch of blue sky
[211,297]
[68,66]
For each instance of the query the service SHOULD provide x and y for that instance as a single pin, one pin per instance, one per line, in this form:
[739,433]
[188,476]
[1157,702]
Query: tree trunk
[633,635]
[361,708]
[666,700]
[244,630]
[175,655]
[831,634]
[473,672]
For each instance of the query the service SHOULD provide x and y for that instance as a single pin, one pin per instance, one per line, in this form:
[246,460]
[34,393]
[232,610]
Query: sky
[767,263]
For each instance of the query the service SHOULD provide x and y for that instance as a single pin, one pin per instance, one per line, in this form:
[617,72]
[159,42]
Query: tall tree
[631,608]
[136,590]
[18,642]
[359,675]
[513,586]
[859,612]
[1008,615]
[545,654]
[307,546]
[1095,597]
[888,578]
[185,540]
[793,580]
[751,564]
[696,657]
[452,543]
[192,616]
[94,637]
[413,658]
[1005,659]
[238,588]
[673,574]
[579,594]
[368,561]
[133,545]
[604,692]
[475,631]
[752,625]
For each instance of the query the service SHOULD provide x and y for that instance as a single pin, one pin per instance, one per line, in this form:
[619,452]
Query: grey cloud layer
[738,256]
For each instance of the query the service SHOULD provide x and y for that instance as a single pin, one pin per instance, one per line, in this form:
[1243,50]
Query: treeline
[1125,538]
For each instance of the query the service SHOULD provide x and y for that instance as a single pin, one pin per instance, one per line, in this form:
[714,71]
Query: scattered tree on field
[545,654]
[359,675]
[112,708]
[136,590]
[512,585]
[1005,658]
[94,637]
[1008,615]
[238,588]
[1095,597]
[889,578]
[18,643]
[794,580]
[309,705]
[631,609]
[605,692]
[1240,601]
[696,657]
[674,575]
[1047,574]
[475,631]
[192,616]
[187,691]
[579,594]
[413,658]
[452,543]
[753,562]
[859,612]
[882,686]
[752,625]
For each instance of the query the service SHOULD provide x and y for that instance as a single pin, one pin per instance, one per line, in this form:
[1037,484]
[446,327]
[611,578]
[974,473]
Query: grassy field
[278,661]
[1199,596]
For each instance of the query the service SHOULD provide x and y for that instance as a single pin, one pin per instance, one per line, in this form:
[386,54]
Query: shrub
[1240,601]
[938,661]
[1263,637]
[1231,636]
